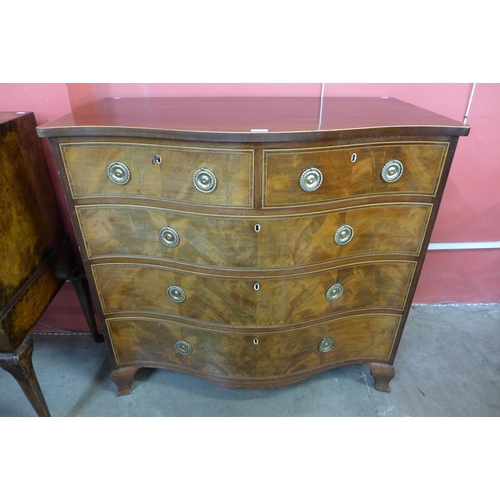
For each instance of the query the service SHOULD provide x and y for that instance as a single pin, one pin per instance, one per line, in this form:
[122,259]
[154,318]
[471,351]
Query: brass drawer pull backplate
[392,171]
[118,172]
[169,237]
[343,235]
[183,347]
[204,180]
[334,292]
[176,293]
[311,179]
[327,344]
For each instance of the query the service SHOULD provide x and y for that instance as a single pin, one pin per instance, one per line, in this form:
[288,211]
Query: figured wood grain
[30,223]
[278,301]
[114,230]
[134,231]
[344,179]
[86,167]
[19,318]
[152,343]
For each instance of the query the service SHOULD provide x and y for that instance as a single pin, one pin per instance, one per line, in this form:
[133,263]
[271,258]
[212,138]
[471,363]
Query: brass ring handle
[183,347]
[392,171]
[176,293]
[311,179]
[334,292]
[169,237]
[343,235]
[118,172]
[327,344]
[204,180]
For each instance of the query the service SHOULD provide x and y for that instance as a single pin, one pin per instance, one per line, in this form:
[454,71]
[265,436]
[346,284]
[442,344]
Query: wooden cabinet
[234,240]
[36,257]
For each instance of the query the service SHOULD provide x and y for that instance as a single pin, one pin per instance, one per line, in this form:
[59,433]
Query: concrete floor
[448,365]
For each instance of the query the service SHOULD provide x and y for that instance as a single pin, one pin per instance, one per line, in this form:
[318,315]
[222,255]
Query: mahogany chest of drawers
[253,242]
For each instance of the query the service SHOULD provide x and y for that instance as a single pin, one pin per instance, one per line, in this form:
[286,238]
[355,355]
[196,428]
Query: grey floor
[448,365]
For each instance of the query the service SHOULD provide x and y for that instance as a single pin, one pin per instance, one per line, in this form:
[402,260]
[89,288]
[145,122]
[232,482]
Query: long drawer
[266,242]
[167,344]
[257,300]
[310,176]
[208,176]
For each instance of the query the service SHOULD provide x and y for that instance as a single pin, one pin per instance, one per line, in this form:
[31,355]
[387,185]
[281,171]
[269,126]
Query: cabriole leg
[20,366]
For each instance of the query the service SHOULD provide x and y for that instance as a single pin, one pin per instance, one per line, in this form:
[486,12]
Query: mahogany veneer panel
[234,301]
[172,179]
[235,360]
[346,176]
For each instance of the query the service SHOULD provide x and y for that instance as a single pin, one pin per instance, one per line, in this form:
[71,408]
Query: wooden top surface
[246,118]
[6,116]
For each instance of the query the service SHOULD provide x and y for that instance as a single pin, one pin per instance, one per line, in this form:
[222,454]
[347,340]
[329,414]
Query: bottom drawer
[210,353]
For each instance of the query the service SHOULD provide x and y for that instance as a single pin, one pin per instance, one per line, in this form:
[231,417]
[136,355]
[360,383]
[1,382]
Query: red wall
[469,212]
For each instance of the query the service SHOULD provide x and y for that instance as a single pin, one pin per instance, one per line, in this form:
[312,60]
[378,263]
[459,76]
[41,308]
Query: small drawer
[259,300]
[221,177]
[266,242]
[168,344]
[312,176]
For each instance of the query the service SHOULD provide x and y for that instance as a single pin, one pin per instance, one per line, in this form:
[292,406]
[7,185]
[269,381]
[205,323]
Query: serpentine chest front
[250,257]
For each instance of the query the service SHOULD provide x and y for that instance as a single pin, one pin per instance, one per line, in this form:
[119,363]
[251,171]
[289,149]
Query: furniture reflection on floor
[36,257]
